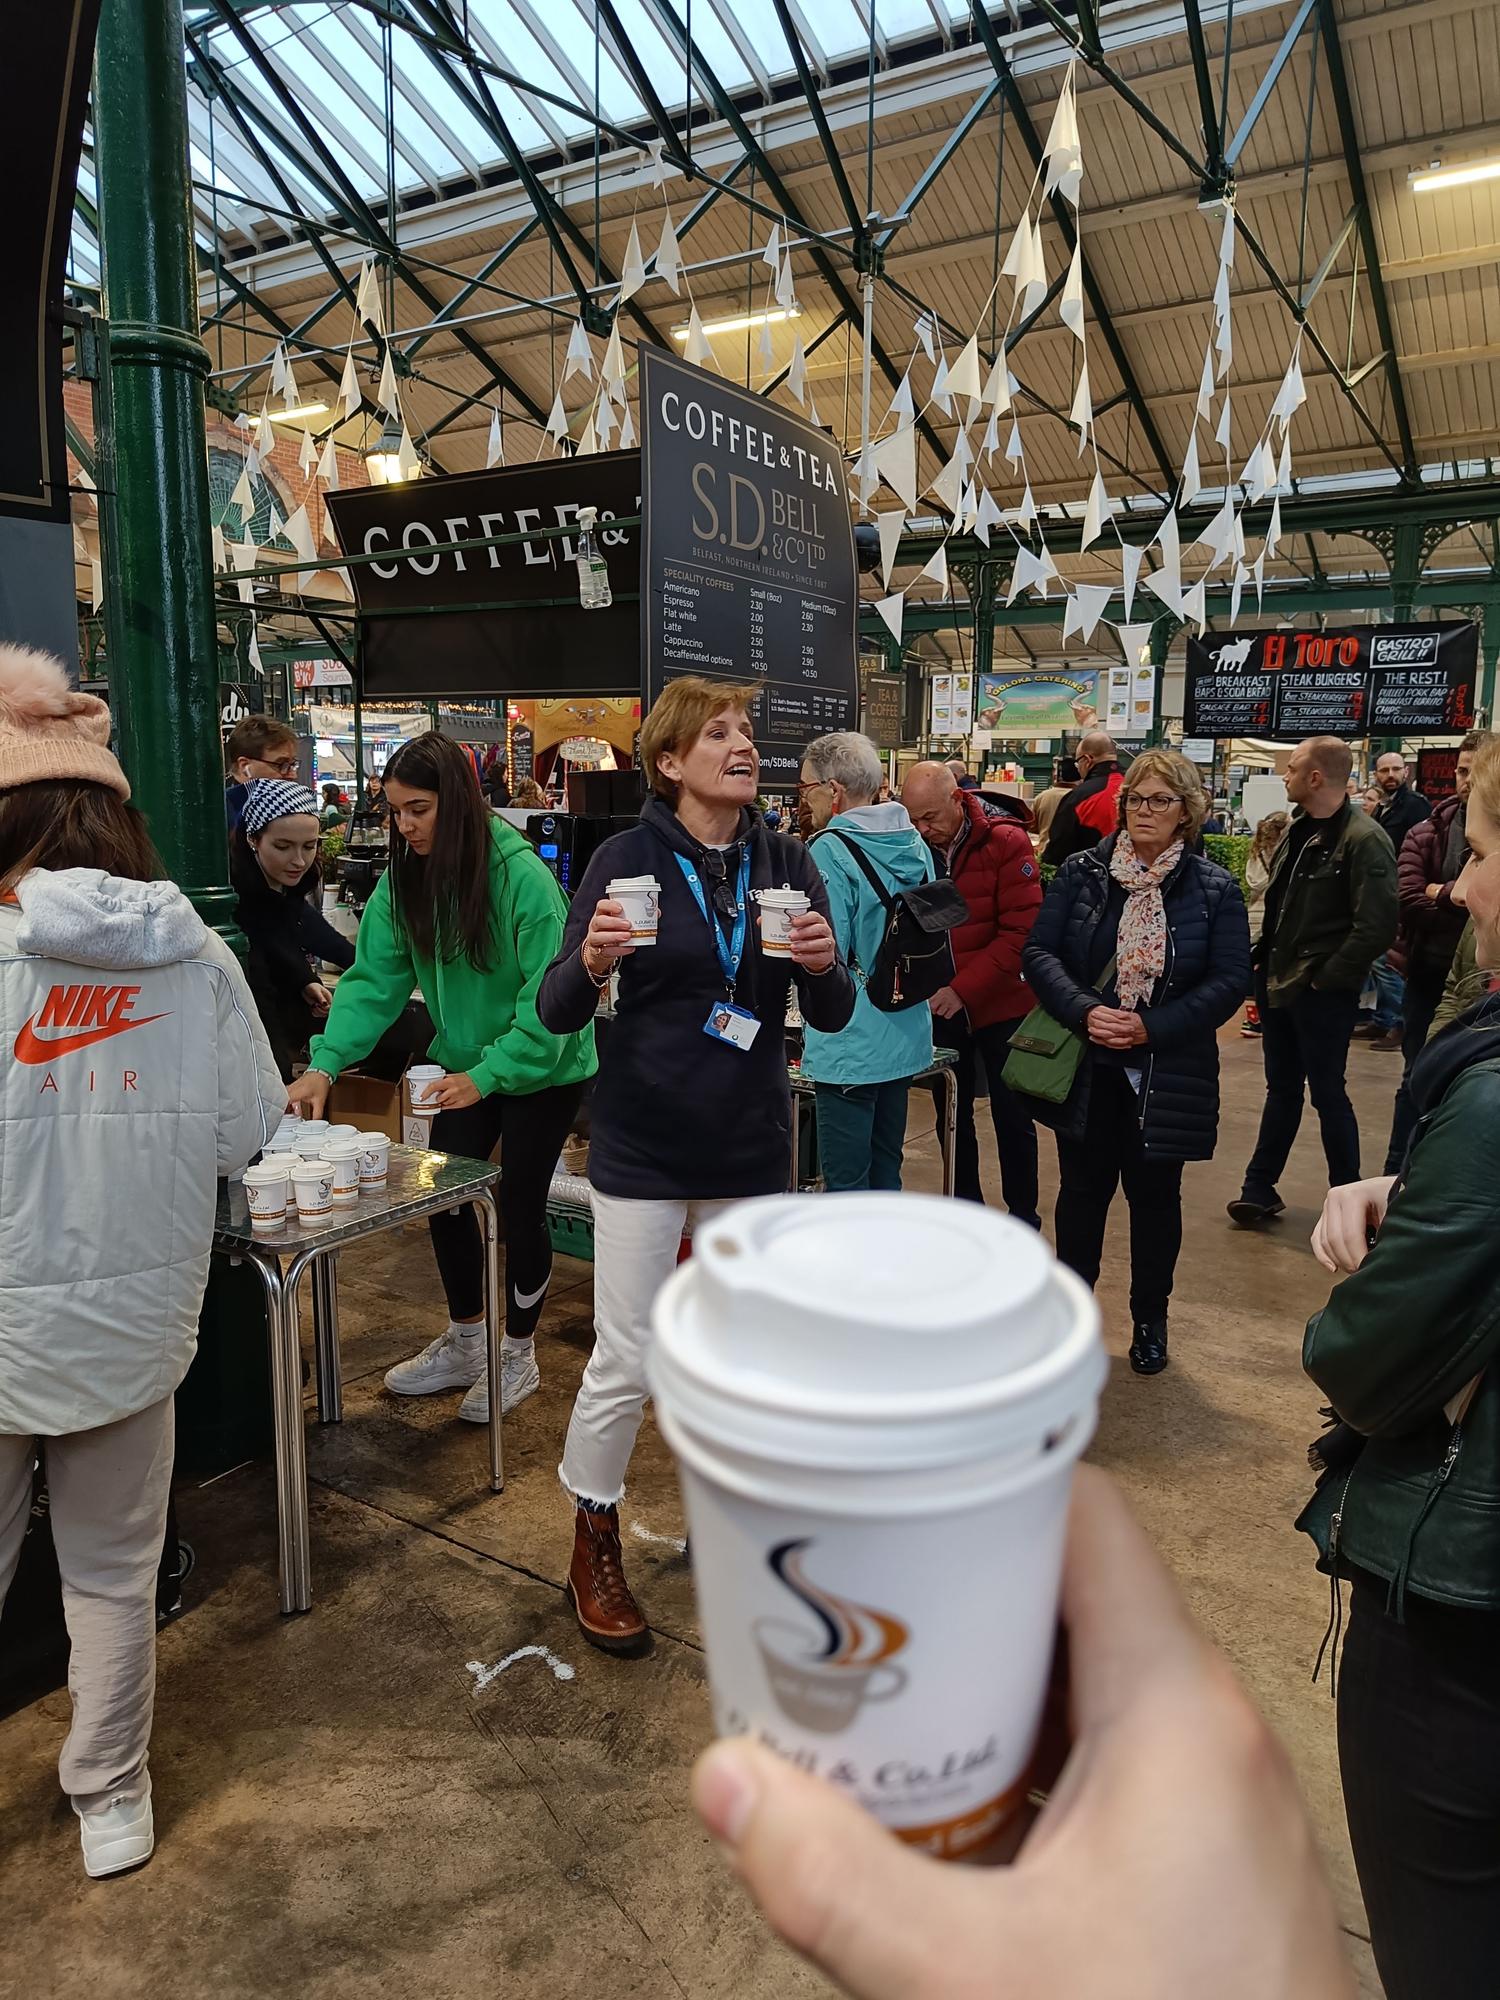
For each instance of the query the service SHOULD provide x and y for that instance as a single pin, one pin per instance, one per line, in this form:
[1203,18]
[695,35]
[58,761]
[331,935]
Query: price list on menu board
[748,572]
[1381,679]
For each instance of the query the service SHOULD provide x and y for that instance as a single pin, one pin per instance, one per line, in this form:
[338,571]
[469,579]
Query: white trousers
[107,1491]
[635,1252]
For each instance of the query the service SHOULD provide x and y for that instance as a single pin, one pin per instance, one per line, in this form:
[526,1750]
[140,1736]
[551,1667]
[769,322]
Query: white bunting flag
[387,393]
[408,458]
[696,348]
[1130,569]
[252,653]
[991,438]
[1090,600]
[328,466]
[1221,296]
[989,515]
[1169,539]
[940,394]
[579,359]
[1028,572]
[888,526]
[1258,571]
[949,485]
[216,537]
[658,168]
[1082,412]
[796,374]
[612,368]
[1224,345]
[274,523]
[1166,583]
[765,347]
[771,255]
[895,460]
[291,395]
[1218,536]
[1036,286]
[349,395]
[367,298]
[963,376]
[627,431]
[891,610]
[1063,152]
[786,291]
[925,327]
[307,454]
[1195,605]
[243,556]
[633,276]
[1192,482]
[1205,386]
[279,370]
[1236,591]
[937,568]
[588,443]
[1226,240]
[299,533]
[1222,431]
[1070,305]
[1094,513]
[1135,644]
[604,422]
[1293,391]
[557,422]
[242,495]
[1284,463]
[963,451]
[668,255]
[813,416]
[1025,515]
[1273,532]
[1014,450]
[901,403]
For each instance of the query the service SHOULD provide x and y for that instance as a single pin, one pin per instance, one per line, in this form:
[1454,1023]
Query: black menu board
[748,569]
[1394,680]
[882,700]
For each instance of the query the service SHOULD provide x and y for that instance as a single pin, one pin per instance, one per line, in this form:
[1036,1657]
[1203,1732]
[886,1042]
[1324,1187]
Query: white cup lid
[783,899]
[621,882]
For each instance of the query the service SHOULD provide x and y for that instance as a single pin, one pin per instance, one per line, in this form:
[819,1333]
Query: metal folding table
[420,1184]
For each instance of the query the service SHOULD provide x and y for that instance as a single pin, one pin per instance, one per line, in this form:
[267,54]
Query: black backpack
[915,959]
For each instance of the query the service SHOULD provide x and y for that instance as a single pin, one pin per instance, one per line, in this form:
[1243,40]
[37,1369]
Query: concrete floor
[341,1812]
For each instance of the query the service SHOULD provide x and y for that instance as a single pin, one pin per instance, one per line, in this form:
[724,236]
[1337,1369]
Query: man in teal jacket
[864,1072]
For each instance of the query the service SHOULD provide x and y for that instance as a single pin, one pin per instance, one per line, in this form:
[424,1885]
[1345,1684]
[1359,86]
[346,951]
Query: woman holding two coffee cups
[692,1107]
[470,914]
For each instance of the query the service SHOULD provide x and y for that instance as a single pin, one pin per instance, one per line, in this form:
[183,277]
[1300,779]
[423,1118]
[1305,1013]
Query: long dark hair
[73,823]
[440,902]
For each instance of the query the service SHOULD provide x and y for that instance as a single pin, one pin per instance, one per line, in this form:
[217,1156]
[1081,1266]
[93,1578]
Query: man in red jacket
[989,857]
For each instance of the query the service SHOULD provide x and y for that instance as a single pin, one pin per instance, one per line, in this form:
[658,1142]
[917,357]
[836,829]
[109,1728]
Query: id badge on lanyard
[726,1022]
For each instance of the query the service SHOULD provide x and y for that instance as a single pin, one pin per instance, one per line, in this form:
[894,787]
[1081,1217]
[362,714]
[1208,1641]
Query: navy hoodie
[675,1114]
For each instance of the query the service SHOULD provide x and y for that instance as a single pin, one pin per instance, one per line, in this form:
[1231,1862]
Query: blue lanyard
[733,950]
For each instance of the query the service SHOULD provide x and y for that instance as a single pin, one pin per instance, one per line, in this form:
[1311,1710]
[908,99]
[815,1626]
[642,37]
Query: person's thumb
[882,1920]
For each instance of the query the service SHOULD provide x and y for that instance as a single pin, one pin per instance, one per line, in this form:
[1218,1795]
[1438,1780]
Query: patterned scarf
[1141,953]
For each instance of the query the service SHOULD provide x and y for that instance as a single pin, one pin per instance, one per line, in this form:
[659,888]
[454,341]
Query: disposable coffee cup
[285,1160]
[313,1182]
[639,896]
[343,1132]
[343,1157]
[416,1124]
[777,908]
[876,1405]
[312,1132]
[266,1192]
[374,1161]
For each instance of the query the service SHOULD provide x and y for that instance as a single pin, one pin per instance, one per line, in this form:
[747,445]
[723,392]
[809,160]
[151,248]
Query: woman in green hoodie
[468,913]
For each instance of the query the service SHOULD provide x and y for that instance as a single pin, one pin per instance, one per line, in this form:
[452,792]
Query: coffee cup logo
[822,1678]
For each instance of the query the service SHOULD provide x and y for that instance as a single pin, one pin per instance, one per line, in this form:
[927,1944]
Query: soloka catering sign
[748,570]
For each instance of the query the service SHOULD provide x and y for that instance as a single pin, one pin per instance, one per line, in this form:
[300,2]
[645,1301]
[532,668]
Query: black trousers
[1419,1755]
[1424,990]
[1305,1046]
[530,1132]
[1108,1155]
[981,1058]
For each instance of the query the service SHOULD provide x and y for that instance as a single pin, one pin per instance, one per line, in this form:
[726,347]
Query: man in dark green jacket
[1330,911]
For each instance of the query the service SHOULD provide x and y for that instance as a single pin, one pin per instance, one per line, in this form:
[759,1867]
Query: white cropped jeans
[635,1252]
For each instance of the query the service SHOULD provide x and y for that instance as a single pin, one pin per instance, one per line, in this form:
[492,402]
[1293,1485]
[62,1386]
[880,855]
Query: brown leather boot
[608,1615]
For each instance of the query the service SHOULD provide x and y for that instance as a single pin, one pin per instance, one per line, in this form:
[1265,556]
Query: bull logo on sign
[1235,654]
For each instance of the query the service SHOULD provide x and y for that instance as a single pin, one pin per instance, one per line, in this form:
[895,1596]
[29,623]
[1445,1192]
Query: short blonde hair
[1484,783]
[1179,776]
[678,719]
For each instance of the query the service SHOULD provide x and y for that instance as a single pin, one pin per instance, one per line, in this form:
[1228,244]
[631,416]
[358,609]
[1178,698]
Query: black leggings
[1108,1155]
[530,1131]
[1419,1755]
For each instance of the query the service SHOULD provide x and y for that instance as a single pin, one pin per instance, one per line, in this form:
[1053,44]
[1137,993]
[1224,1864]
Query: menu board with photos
[1287,684]
[952,704]
[748,569]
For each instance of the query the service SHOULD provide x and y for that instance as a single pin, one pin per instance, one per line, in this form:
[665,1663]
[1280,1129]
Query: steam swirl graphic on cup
[822,1679]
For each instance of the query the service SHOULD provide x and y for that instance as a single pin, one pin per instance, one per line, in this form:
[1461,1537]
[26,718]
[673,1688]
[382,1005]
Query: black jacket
[1206,979]
[1402,811]
[677,1115]
[1087,815]
[289,936]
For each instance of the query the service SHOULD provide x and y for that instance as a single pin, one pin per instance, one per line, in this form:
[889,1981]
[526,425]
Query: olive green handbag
[1044,1055]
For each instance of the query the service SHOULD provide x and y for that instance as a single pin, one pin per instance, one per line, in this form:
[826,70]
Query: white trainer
[449,1362]
[519,1378]
[120,1835]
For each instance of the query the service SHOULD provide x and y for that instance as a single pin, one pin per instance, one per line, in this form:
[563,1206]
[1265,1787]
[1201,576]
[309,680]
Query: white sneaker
[519,1378]
[121,1835]
[449,1362]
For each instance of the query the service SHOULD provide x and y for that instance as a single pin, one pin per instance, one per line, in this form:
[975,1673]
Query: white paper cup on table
[777,908]
[876,1405]
[285,1160]
[374,1161]
[310,1132]
[343,1157]
[343,1132]
[639,896]
[313,1182]
[416,1124]
[266,1188]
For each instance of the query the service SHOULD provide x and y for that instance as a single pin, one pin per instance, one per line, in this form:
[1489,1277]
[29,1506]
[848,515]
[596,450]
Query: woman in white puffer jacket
[133,1072]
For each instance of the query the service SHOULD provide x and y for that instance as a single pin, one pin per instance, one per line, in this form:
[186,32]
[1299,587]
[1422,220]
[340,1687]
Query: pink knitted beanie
[49,731]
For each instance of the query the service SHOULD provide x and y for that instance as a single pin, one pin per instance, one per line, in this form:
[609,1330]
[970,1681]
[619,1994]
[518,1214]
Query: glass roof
[332,57]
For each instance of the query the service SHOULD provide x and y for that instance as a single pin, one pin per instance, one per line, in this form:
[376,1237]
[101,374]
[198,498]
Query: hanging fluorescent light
[301,410]
[1432,178]
[743,322]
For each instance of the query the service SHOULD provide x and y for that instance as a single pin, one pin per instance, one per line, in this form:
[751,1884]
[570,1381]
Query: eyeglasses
[812,785]
[1154,802]
[284,767]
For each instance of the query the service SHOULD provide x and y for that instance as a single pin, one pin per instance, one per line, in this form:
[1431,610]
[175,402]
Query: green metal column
[1163,632]
[164,676]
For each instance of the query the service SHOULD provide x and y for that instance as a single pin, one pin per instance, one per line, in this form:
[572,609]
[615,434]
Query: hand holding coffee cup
[454,1092]
[608,939]
[311,1089]
[813,945]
